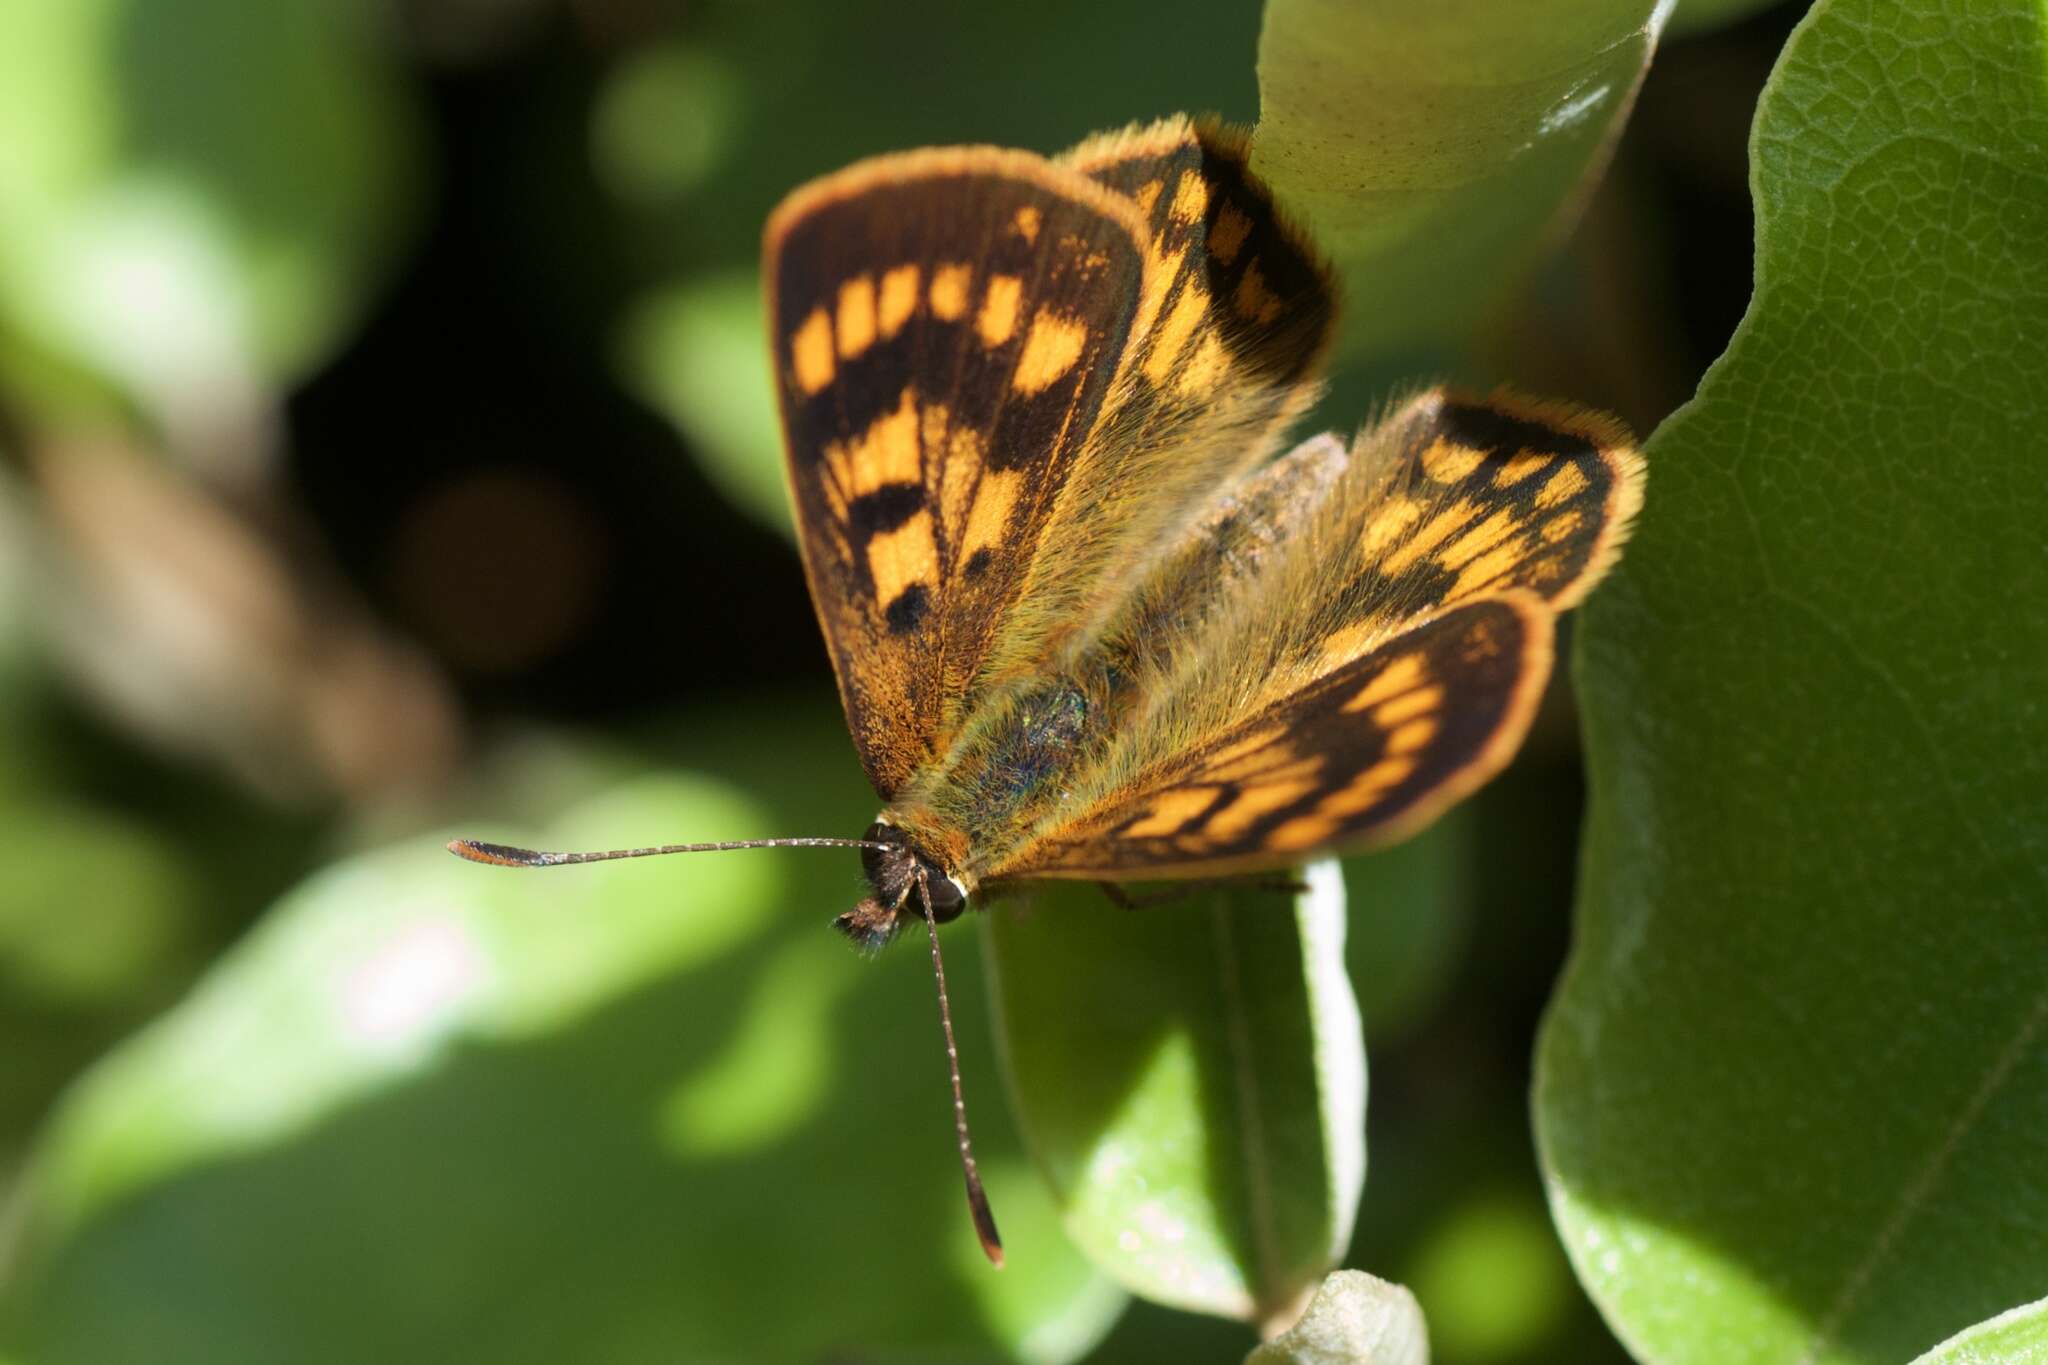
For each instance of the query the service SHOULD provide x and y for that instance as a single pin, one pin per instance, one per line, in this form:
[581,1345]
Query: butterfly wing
[946,326]
[1239,290]
[1007,385]
[1373,631]
[1367,753]
[1224,352]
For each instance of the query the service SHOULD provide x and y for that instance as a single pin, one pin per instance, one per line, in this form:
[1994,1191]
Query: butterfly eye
[948,900]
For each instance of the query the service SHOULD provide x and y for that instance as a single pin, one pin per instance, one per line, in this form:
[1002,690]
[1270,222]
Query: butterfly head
[894,867]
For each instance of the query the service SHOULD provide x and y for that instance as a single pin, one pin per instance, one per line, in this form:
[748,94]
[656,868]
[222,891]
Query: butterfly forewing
[1367,753]
[946,326]
[1239,289]
[1223,353]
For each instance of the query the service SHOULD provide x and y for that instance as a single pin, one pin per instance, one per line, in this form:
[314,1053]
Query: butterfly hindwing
[1451,498]
[1369,752]
[946,326]
[1308,570]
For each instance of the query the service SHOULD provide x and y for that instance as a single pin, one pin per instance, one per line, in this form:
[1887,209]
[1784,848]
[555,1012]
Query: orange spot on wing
[1206,368]
[949,290]
[1368,789]
[1408,705]
[1252,804]
[909,554]
[1406,739]
[1172,334]
[998,319]
[856,316]
[1448,462]
[886,453]
[1253,299]
[810,352]
[1170,811]
[1481,538]
[1227,238]
[899,299]
[1388,525]
[1489,568]
[989,515]
[1051,347]
[1430,533]
[1567,483]
[1400,675]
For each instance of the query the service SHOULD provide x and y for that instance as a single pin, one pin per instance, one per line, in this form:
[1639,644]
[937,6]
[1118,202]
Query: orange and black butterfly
[1088,620]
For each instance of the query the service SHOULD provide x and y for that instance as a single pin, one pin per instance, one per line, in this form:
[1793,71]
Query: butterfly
[1088,619]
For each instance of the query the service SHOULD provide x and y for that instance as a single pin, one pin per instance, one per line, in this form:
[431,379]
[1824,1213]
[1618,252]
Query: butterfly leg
[1166,895]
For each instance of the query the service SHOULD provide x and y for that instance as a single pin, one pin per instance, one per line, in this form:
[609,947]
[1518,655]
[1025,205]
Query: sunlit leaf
[1191,1078]
[1433,148]
[1792,1096]
[2019,1337]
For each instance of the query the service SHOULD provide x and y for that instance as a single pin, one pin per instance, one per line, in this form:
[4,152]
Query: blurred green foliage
[197,194]
[385,452]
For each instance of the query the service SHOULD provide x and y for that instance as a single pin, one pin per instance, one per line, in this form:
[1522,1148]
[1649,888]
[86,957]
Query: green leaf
[1434,148]
[1354,1319]
[431,1109]
[162,233]
[2019,1337]
[1191,1079]
[1792,1096]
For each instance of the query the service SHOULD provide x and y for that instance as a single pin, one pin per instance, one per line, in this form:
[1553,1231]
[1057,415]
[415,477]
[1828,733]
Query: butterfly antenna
[505,855]
[977,1198]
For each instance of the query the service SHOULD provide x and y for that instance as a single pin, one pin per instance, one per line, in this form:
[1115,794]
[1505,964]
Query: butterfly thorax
[1012,768]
